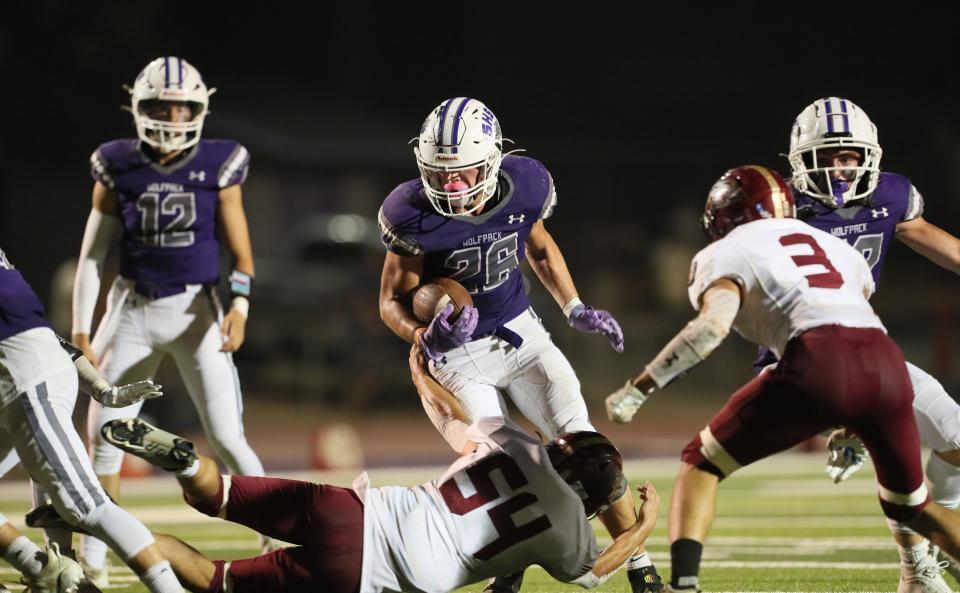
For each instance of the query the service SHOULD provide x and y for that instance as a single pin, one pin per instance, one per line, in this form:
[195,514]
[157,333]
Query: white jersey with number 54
[793,278]
[492,513]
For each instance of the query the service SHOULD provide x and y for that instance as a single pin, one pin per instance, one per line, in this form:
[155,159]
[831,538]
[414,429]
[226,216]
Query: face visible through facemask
[841,165]
[460,181]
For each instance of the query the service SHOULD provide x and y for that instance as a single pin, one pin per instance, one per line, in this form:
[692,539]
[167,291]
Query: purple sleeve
[551,202]
[100,167]
[235,167]
[398,222]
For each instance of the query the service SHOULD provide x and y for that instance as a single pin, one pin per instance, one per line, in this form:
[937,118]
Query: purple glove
[442,337]
[587,319]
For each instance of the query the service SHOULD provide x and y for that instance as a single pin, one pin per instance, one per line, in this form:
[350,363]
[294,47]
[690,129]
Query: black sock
[685,564]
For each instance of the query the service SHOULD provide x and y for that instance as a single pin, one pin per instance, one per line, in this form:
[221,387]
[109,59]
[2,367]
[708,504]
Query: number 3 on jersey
[829,279]
[176,233]
[508,532]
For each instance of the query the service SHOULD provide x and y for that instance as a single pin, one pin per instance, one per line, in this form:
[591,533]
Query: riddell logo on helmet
[446,157]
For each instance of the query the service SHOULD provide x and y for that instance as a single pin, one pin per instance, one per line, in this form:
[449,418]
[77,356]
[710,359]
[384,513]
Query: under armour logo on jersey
[514,219]
[881,213]
[200,176]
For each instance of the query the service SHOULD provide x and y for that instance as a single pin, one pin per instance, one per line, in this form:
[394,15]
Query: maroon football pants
[828,376]
[325,523]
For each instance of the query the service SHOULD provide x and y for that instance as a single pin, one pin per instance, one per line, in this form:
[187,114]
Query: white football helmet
[461,133]
[175,80]
[827,125]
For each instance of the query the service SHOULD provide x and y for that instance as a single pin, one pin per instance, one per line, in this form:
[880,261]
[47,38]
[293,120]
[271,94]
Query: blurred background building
[635,114]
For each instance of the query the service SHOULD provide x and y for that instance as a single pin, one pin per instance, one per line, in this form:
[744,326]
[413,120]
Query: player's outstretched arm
[627,543]
[441,406]
[101,228]
[233,218]
[932,242]
[719,306]
[96,386]
[401,274]
[548,263]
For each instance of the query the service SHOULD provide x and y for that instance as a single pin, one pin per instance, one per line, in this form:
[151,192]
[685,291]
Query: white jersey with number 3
[793,278]
[492,513]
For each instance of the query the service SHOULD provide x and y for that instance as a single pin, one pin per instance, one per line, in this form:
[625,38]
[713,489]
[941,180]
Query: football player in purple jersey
[835,161]
[473,215]
[38,390]
[165,192]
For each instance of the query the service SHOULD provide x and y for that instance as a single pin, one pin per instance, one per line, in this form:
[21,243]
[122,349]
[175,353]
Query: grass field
[781,526]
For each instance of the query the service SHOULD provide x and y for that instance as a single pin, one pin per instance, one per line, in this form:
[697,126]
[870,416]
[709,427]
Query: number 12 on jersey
[176,233]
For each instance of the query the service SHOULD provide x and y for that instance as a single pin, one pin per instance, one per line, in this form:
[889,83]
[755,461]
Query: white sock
[25,556]
[913,554]
[93,551]
[945,479]
[159,578]
[639,561]
[189,472]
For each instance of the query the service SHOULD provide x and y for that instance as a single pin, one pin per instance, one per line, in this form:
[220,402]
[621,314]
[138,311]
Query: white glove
[124,395]
[847,455]
[623,403]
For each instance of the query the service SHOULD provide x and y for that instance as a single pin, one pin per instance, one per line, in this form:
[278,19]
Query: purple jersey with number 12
[169,213]
[482,252]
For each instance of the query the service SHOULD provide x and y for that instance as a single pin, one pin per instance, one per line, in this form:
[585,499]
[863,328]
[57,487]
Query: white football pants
[135,334]
[38,389]
[537,378]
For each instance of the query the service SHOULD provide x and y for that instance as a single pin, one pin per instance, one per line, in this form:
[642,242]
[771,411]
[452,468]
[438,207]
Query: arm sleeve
[91,381]
[93,252]
[698,339]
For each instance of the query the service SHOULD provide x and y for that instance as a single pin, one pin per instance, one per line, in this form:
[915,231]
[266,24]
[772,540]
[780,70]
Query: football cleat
[922,574]
[506,584]
[60,574]
[159,447]
[98,578]
[952,567]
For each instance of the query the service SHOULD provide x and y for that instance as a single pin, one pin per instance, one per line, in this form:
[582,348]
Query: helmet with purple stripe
[460,134]
[164,87]
[834,152]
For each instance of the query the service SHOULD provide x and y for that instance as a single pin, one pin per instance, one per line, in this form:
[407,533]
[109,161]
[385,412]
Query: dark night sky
[633,112]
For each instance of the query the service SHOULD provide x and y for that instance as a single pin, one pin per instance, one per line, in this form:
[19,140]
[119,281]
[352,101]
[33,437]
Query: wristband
[570,306]
[241,284]
[241,305]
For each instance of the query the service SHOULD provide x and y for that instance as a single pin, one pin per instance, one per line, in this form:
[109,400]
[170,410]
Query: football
[434,294]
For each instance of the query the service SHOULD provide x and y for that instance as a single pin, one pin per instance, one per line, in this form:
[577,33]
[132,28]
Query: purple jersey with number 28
[481,252]
[169,213]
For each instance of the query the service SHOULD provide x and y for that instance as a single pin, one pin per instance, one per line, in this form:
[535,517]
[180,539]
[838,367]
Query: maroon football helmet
[745,194]
[592,466]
